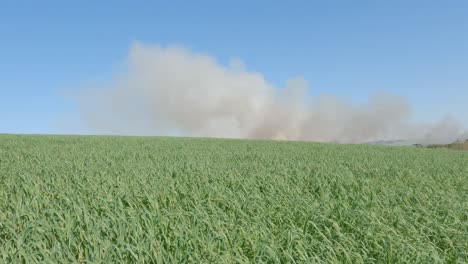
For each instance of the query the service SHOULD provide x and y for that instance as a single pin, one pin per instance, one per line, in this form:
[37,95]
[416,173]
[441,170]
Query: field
[97,199]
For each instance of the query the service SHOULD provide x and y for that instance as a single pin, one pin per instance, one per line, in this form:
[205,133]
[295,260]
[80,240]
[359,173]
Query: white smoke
[172,91]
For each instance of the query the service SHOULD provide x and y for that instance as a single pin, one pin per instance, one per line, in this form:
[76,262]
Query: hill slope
[146,199]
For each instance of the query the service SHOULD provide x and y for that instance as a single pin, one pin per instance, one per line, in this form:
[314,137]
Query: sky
[348,49]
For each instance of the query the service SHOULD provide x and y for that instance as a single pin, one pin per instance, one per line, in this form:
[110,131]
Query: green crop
[102,199]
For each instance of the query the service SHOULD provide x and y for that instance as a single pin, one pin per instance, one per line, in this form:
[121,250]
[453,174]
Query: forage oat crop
[70,199]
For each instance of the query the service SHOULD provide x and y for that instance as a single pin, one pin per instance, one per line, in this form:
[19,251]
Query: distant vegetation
[69,199]
[455,145]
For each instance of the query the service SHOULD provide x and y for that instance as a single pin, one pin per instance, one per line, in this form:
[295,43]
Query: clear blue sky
[417,49]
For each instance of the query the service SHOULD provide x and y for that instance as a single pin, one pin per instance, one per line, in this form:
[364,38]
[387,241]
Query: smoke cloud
[172,91]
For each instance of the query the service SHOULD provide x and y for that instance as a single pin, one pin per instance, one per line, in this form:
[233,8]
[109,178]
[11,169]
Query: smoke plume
[172,91]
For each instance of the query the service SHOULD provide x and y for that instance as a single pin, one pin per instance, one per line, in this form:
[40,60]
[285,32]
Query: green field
[95,199]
